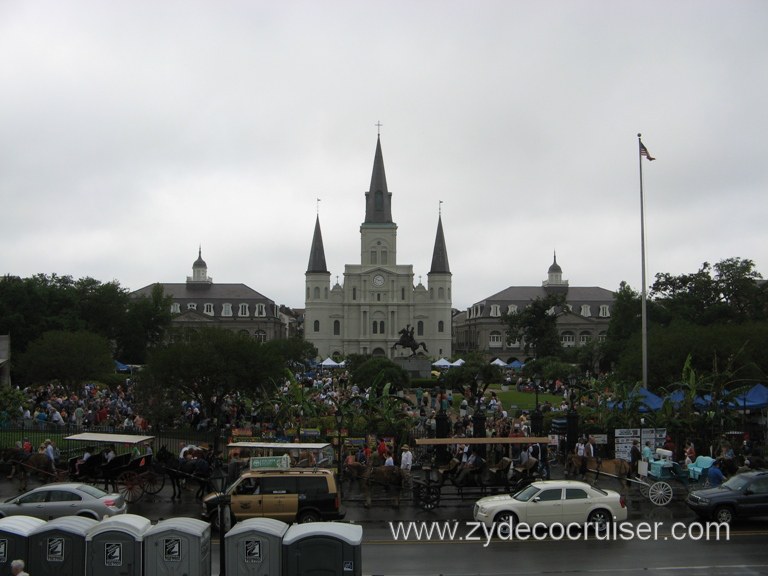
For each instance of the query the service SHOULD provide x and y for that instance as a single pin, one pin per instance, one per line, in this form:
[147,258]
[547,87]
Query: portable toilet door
[58,547]
[115,546]
[178,547]
[14,539]
[254,547]
[323,549]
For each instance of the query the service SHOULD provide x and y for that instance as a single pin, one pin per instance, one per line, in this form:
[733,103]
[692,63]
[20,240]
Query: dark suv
[740,496]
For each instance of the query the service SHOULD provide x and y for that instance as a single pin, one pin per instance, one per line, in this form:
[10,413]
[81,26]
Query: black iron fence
[172,439]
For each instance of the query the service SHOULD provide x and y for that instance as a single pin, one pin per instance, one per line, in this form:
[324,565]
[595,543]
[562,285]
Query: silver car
[64,499]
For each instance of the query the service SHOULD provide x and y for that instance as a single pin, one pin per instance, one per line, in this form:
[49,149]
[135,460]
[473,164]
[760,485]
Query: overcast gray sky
[132,132]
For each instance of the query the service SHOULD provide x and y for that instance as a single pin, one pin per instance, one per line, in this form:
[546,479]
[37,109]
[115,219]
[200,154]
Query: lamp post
[573,416]
[537,418]
[642,424]
[219,481]
[339,420]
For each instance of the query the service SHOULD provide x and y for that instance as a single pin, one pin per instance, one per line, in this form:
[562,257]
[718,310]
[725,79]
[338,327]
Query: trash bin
[14,539]
[58,546]
[178,547]
[323,548]
[254,546]
[114,546]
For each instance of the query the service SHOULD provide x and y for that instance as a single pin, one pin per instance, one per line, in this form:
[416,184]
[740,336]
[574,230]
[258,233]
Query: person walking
[406,462]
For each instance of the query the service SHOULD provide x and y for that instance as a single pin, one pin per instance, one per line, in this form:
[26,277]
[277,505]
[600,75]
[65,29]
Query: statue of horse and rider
[407,340]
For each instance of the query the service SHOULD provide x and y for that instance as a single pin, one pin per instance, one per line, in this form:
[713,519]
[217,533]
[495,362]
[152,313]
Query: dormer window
[226,309]
[512,309]
[495,311]
[175,308]
[586,311]
[605,311]
[243,310]
[208,309]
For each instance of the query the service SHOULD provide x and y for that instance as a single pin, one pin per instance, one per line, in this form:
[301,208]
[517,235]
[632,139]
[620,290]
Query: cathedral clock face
[378,280]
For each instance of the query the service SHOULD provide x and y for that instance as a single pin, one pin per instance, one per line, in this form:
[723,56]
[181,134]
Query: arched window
[420,328]
[375,327]
[381,327]
[316,293]
[260,336]
[316,326]
[336,327]
[378,199]
[441,293]
[441,326]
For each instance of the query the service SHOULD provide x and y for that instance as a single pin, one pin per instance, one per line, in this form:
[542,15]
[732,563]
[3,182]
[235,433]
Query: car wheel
[504,523]
[309,516]
[724,514]
[600,519]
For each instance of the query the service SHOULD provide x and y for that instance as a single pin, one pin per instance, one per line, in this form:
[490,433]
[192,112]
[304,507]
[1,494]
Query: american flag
[644,152]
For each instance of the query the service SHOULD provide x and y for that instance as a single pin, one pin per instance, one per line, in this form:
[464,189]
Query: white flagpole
[644,317]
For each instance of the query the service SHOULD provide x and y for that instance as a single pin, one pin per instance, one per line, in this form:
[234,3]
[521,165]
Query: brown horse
[389,477]
[615,467]
[23,464]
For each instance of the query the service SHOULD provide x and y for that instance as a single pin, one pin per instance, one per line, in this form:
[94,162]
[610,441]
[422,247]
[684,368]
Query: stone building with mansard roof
[378,297]
[200,302]
[481,327]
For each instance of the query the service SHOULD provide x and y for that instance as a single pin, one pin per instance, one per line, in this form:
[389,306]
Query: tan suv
[289,495]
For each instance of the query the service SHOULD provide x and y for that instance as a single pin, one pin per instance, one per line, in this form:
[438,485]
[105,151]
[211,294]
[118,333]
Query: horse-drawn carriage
[655,479]
[657,476]
[130,473]
[499,471]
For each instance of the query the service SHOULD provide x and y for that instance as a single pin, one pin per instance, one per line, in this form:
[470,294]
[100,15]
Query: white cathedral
[378,299]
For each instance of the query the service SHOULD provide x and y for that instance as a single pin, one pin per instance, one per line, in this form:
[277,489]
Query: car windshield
[526,493]
[736,482]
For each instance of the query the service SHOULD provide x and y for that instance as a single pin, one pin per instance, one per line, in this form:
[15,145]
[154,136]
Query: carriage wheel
[429,497]
[643,487]
[152,482]
[129,486]
[660,493]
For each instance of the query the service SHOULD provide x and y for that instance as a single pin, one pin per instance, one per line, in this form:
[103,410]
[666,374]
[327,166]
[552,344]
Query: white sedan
[551,502]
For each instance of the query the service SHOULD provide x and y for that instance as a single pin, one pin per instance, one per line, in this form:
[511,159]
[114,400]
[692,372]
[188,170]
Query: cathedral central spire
[378,200]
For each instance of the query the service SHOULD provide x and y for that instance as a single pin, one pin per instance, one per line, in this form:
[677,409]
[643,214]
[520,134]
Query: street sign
[282,462]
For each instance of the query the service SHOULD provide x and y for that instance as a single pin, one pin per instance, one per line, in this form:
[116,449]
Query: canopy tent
[649,402]
[329,363]
[755,398]
[123,368]
[458,362]
[442,363]
[498,362]
[516,364]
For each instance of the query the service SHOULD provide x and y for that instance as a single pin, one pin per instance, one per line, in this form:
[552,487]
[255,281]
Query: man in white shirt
[406,461]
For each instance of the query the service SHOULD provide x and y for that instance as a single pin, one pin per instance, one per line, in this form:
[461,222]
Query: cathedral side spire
[440,253]
[317,252]
[378,200]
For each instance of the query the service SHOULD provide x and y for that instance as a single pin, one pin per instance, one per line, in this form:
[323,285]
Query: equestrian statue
[407,340]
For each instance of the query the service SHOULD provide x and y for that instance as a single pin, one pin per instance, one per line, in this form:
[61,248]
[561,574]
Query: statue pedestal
[416,366]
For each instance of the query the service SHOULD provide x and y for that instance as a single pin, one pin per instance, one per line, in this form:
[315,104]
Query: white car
[551,502]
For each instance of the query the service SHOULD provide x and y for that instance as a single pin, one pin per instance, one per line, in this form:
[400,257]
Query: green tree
[209,366]
[145,325]
[727,292]
[379,371]
[71,358]
[536,325]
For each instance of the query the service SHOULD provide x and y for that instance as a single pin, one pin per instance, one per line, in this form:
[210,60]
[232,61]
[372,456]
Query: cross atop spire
[378,128]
